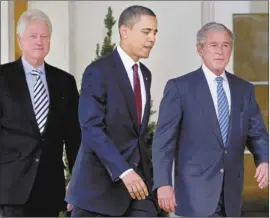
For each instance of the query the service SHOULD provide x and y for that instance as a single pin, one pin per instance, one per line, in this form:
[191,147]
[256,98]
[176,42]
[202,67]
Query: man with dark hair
[111,176]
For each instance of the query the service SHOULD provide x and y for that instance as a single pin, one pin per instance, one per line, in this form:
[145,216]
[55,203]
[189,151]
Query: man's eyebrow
[149,29]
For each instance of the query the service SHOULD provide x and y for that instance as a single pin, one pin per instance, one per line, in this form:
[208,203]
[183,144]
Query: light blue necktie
[223,110]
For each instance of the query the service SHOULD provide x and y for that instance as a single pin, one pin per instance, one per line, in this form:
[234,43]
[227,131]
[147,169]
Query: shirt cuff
[125,173]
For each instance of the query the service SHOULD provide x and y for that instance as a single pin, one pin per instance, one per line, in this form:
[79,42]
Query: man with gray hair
[206,119]
[111,176]
[38,115]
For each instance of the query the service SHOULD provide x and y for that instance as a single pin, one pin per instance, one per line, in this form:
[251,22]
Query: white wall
[58,12]
[224,10]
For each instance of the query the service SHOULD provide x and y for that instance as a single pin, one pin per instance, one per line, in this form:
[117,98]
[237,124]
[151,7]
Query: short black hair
[131,14]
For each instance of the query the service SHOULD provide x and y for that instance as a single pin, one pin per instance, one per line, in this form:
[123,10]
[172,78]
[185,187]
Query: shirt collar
[210,76]
[126,59]
[28,67]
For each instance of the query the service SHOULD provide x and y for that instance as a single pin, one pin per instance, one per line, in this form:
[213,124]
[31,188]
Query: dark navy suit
[111,138]
[188,130]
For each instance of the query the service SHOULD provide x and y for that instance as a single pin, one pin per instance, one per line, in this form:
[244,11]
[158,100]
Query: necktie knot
[219,79]
[135,67]
[36,72]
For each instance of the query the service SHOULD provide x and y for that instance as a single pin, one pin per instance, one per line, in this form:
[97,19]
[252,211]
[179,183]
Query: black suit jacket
[26,155]
[111,137]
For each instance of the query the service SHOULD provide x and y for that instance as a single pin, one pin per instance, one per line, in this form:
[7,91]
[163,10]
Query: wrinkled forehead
[218,36]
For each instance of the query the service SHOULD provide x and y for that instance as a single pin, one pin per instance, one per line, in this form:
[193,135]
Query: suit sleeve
[1,106]
[92,110]
[258,139]
[165,137]
[73,132]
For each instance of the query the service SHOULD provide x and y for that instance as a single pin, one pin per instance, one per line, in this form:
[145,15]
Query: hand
[262,175]
[166,198]
[135,185]
[69,206]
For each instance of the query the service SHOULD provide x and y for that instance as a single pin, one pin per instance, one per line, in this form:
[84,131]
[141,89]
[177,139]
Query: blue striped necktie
[223,110]
[41,101]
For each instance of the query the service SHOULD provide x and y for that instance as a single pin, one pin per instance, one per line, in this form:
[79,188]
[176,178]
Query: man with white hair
[206,119]
[38,115]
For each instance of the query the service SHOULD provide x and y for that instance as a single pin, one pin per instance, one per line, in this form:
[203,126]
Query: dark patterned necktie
[137,92]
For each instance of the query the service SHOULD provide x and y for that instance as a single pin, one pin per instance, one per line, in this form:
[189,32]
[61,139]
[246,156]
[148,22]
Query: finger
[131,191]
[171,204]
[258,169]
[263,183]
[140,190]
[164,207]
[136,190]
[260,176]
[168,205]
[160,203]
[144,187]
[69,207]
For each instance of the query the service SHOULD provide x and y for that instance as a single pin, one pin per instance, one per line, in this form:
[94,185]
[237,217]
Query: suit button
[225,151]
[221,170]
[37,160]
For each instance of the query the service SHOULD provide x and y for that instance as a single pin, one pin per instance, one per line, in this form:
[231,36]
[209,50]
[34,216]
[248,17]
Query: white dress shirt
[212,84]
[128,64]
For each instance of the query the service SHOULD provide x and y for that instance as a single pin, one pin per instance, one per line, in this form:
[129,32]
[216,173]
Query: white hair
[31,15]
[201,34]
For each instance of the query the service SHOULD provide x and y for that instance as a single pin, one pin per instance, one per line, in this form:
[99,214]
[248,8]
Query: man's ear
[199,49]
[123,30]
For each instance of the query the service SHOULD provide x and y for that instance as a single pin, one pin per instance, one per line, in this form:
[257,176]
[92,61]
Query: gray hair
[30,15]
[131,15]
[201,34]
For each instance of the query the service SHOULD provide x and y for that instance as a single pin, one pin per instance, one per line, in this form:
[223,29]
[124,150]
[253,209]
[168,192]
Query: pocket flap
[6,157]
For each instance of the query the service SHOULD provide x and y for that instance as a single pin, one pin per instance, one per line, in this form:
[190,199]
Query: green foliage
[150,128]
[107,46]
[67,171]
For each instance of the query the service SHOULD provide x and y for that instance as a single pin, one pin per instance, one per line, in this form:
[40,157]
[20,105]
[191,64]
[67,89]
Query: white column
[208,11]
[7,32]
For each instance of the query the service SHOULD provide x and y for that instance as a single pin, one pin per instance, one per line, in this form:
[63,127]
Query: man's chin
[145,55]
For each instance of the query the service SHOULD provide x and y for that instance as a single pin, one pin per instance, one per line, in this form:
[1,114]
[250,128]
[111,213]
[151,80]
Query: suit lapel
[21,93]
[235,107]
[148,99]
[206,102]
[52,89]
[125,86]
